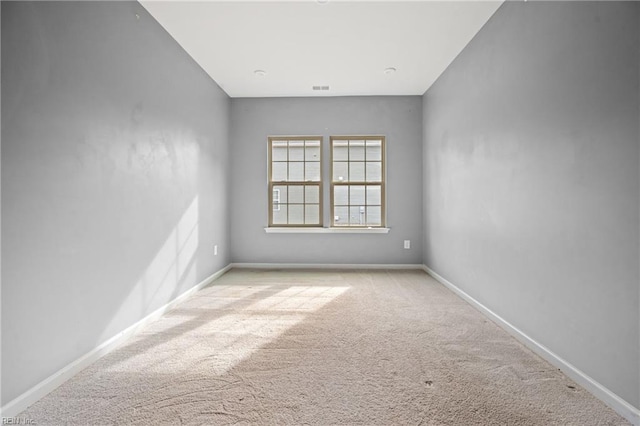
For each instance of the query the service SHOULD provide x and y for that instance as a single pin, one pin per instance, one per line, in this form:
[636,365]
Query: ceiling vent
[320,87]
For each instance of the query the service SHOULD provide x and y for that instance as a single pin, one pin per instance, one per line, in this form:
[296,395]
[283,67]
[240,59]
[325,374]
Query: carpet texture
[322,348]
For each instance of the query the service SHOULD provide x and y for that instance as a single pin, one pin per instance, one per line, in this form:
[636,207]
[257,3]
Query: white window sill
[304,230]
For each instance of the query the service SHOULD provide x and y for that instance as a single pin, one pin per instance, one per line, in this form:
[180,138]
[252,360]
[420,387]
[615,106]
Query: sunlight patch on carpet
[204,337]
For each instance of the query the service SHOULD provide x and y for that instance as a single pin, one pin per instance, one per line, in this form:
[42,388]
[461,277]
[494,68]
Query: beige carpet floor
[322,348]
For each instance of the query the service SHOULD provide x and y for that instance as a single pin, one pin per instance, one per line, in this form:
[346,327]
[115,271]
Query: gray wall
[114,179]
[531,185]
[253,120]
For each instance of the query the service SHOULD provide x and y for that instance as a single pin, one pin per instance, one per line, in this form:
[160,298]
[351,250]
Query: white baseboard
[621,406]
[22,402]
[325,266]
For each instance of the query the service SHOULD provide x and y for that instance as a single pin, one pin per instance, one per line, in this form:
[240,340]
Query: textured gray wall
[253,120]
[531,186]
[114,179]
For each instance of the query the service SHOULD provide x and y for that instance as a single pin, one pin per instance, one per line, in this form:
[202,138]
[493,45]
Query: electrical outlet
[215,250]
[407,244]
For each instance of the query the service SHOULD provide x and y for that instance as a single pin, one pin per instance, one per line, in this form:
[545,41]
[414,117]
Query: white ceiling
[346,45]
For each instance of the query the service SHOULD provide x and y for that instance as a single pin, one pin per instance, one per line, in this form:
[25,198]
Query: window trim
[272,183]
[383,204]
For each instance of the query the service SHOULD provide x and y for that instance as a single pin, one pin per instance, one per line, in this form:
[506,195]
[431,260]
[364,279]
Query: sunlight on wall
[200,334]
[173,264]
[167,268]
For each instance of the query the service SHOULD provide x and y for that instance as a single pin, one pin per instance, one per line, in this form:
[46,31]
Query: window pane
[296,214]
[296,194]
[280,216]
[296,171]
[279,172]
[312,171]
[312,194]
[312,151]
[312,214]
[374,172]
[296,151]
[340,152]
[374,151]
[341,216]
[356,215]
[374,195]
[281,191]
[357,195]
[374,217]
[356,172]
[279,151]
[340,172]
[356,151]
[341,195]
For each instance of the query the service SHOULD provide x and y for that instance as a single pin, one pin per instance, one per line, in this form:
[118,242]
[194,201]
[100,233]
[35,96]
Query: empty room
[320,212]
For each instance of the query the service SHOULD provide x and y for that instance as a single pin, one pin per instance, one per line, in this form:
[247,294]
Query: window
[295,184]
[357,181]
[357,178]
